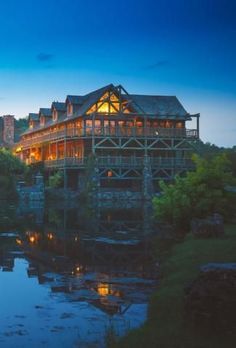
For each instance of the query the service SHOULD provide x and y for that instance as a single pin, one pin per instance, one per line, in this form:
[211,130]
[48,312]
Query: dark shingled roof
[159,105]
[59,106]
[33,116]
[75,99]
[45,112]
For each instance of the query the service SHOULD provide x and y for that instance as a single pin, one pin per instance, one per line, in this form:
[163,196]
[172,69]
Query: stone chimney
[8,129]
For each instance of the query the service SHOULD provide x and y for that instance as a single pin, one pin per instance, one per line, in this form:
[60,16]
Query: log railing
[88,132]
[120,162]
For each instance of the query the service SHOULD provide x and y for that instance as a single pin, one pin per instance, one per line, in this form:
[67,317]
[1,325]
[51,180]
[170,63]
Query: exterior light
[109,173]
[18,149]
[18,241]
[32,239]
[103,289]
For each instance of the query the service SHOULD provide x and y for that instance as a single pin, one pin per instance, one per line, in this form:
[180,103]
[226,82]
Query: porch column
[65,155]
[198,116]
[147,179]
[57,150]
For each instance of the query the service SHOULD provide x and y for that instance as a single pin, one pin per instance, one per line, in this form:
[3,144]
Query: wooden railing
[88,132]
[120,162]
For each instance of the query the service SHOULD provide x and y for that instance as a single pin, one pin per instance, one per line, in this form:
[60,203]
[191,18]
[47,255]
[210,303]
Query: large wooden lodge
[130,136]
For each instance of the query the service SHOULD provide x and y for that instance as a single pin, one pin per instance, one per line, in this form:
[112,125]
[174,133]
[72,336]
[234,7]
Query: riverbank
[167,327]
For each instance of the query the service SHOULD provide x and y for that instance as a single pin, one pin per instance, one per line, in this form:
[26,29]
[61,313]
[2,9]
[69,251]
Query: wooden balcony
[109,132]
[120,162]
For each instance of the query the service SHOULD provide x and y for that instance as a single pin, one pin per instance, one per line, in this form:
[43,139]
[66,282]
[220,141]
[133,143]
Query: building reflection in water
[101,256]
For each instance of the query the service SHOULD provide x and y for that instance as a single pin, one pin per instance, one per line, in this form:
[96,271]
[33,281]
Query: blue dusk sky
[185,48]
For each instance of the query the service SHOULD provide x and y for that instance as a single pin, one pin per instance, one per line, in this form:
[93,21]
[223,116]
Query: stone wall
[32,193]
[8,129]
[119,195]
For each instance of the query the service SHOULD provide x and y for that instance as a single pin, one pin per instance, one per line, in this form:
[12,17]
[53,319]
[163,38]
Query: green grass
[167,326]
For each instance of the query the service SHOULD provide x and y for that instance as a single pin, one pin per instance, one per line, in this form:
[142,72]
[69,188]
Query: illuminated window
[105,96]
[108,104]
[97,123]
[103,107]
[54,115]
[42,120]
[103,289]
[89,123]
[179,125]
[169,124]
[114,108]
[70,109]
[92,109]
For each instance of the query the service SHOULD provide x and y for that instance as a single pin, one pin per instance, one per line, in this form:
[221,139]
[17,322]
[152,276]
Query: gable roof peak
[45,112]
[59,106]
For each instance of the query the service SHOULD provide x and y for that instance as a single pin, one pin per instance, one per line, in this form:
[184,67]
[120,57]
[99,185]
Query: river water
[73,275]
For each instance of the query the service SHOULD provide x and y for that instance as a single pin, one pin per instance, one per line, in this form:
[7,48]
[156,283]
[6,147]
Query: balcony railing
[89,132]
[120,162]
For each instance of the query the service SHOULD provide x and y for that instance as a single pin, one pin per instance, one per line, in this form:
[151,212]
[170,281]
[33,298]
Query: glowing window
[70,109]
[54,115]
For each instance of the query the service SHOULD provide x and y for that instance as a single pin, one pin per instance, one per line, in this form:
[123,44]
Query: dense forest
[20,126]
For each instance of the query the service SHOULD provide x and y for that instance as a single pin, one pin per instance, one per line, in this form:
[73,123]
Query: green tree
[209,151]
[10,168]
[56,180]
[200,194]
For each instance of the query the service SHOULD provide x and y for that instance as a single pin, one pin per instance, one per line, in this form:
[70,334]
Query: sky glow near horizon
[53,48]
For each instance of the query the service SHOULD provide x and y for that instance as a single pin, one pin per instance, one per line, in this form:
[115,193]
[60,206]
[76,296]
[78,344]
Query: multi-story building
[129,136]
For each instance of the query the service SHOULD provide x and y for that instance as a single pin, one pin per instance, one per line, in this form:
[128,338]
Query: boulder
[210,301]
[210,227]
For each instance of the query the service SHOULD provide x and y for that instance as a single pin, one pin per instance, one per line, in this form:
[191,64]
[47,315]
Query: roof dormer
[33,120]
[69,109]
[54,115]
[45,115]
[73,103]
[58,109]
[42,120]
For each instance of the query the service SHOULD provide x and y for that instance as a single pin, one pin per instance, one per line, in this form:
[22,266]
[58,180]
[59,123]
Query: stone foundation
[119,195]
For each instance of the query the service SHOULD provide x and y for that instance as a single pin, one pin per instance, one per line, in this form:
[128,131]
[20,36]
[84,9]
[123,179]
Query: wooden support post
[198,125]
[145,135]
[120,101]
[65,178]
[65,155]
[93,133]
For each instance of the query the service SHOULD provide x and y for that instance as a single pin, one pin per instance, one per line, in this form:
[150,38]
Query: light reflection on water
[68,275]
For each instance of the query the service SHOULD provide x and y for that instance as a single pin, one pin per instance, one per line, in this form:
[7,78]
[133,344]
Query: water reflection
[98,256]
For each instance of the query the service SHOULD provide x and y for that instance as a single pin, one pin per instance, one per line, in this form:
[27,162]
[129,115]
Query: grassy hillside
[167,326]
